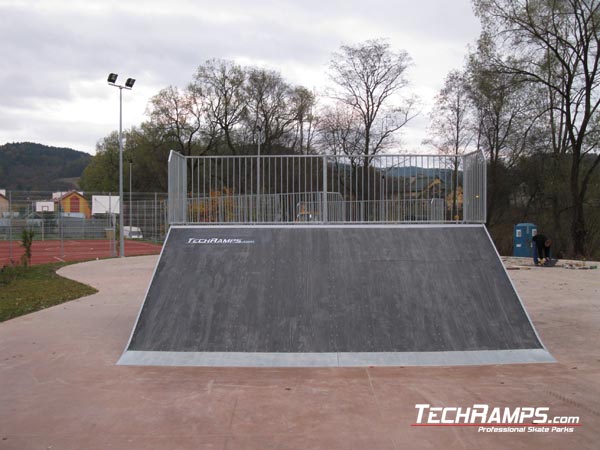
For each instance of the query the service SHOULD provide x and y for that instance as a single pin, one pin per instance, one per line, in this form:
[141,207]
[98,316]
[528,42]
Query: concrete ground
[60,387]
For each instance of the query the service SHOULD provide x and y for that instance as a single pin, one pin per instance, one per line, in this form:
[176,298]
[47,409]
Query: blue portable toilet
[522,245]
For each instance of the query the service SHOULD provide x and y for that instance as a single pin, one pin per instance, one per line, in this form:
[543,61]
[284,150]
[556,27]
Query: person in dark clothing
[541,249]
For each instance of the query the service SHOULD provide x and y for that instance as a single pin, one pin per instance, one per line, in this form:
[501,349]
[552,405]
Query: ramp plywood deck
[331,295]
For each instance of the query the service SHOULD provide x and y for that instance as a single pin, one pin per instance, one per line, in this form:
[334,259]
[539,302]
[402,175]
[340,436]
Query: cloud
[57,54]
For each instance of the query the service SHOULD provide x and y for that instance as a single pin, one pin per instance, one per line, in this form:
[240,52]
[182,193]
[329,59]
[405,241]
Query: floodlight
[112,78]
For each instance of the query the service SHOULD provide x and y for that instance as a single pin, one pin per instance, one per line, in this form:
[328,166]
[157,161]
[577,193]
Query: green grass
[26,290]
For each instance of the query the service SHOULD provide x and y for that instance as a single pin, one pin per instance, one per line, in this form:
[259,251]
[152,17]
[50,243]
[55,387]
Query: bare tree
[179,116]
[568,32]
[221,83]
[369,78]
[303,104]
[504,117]
[269,106]
[341,131]
[451,127]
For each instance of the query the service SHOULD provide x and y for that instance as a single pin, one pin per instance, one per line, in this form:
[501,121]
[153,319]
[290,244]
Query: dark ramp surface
[331,295]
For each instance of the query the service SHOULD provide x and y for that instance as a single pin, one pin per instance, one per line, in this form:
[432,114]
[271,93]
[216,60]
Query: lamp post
[259,129]
[130,199]
[112,79]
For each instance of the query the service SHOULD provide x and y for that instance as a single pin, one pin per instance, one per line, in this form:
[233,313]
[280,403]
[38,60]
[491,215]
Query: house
[73,203]
[425,187]
[3,202]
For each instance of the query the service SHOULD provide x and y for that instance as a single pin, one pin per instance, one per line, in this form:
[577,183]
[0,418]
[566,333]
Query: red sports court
[43,252]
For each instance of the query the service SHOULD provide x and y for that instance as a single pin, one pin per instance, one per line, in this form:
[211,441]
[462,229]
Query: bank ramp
[351,295]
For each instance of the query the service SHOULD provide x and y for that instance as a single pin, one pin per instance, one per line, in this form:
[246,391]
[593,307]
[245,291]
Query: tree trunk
[491,202]
[578,232]
[578,229]
[229,142]
[555,175]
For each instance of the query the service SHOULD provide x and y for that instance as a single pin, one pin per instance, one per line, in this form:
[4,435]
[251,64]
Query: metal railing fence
[475,188]
[284,189]
[177,187]
[77,215]
[327,188]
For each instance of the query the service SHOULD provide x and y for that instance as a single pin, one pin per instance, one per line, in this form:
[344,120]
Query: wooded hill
[35,167]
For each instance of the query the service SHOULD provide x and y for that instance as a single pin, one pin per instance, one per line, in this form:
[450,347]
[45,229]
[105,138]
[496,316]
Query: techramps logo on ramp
[218,241]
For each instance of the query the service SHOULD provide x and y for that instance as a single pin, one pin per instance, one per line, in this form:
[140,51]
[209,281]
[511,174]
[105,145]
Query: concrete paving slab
[60,387]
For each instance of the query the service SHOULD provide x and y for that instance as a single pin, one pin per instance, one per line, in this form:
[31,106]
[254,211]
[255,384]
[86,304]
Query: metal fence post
[177,203]
[484,187]
[155,219]
[324,214]
[466,190]
[10,214]
[61,231]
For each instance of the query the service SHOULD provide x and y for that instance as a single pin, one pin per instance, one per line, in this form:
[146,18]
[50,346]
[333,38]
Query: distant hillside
[35,167]
[412,171]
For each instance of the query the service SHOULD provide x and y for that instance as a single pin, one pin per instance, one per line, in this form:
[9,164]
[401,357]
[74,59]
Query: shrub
[26,241]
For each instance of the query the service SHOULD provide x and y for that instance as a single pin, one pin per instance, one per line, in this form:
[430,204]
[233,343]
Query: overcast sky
[56,54]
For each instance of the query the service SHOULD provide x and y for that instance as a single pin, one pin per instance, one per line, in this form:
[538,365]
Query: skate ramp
[331,296]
